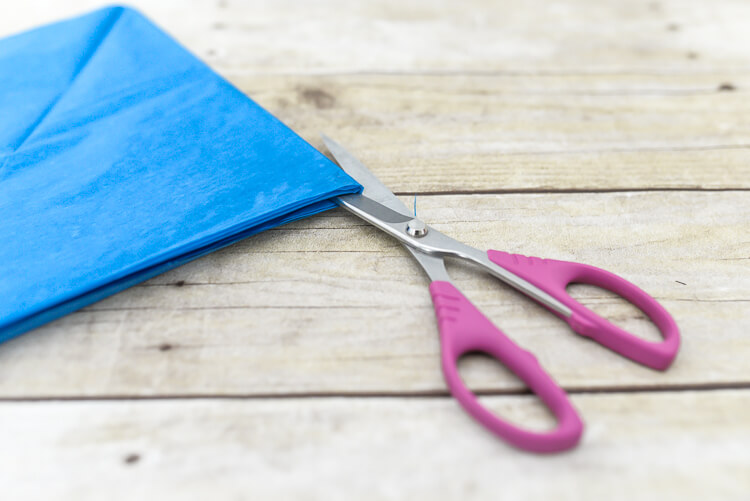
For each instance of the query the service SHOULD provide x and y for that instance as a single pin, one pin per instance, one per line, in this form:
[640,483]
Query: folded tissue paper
[123,156]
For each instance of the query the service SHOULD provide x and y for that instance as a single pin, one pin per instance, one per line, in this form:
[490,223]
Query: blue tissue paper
[123,156]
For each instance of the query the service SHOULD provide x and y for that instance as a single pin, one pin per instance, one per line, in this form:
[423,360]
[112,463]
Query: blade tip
[325,138]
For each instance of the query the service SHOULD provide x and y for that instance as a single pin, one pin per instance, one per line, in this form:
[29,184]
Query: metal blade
[373,188]
[434,266]
[379,206]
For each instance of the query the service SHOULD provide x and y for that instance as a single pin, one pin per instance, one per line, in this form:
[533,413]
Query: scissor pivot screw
[416,228]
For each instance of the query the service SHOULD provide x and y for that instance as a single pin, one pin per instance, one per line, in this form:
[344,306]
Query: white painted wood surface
[303,363]
[428,36]
[515,133]
[688,445]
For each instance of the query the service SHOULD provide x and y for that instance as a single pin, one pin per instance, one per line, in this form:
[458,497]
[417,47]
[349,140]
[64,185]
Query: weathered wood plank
[331,305]
[458,133]
[579,36]
[688,446]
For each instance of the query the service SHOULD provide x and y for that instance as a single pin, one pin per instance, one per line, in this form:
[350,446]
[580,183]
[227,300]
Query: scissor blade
[373,188]
[434,266]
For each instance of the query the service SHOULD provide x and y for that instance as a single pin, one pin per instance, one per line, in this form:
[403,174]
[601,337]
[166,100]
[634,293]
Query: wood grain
[331,305]
[431,134]
[472,36]
[652,446]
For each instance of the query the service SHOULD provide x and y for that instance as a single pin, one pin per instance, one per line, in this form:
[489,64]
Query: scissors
[464,329]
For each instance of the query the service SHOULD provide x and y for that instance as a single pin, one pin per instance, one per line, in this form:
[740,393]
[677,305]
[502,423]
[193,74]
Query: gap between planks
[425,394]
[719,73]
[553,191]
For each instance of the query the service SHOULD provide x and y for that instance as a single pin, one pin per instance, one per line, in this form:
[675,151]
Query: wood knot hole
[318,97]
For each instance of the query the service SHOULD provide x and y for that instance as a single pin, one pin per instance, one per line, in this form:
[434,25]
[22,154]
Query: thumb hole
[616,309]
[480,373]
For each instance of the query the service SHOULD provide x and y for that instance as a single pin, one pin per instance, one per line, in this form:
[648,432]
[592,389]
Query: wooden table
[303,363]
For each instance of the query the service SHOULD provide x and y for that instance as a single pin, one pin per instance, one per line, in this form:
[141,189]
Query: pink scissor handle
[554,276]
[463,329]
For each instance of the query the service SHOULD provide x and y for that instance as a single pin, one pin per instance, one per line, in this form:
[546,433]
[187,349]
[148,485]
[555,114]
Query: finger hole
[481,373]
[616,309]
